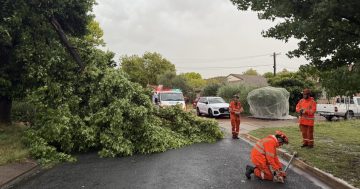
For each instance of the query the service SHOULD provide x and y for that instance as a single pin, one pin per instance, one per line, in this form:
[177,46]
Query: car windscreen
[171,97]
[216,100]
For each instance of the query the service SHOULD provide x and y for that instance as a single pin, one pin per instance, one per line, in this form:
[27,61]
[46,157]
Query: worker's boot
[249,171]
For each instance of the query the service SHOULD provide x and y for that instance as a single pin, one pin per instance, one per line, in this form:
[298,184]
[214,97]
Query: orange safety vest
[309,106]
[234,107]
[264,152]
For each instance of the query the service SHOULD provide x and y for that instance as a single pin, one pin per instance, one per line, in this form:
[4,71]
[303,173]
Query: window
[202,100]
[171,97]
[338,100]
[216,100]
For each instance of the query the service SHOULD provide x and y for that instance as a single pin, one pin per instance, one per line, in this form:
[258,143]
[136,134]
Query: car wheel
[329,118]
[198,112]
[349,115]
[210,113]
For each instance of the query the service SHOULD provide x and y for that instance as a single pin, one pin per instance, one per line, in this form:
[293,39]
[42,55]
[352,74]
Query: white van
[171,98]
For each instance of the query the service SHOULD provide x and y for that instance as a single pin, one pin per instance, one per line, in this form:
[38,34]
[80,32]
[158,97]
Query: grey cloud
[185,30]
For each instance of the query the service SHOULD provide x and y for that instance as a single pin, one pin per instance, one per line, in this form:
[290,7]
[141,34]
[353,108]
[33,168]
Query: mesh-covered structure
[269,103]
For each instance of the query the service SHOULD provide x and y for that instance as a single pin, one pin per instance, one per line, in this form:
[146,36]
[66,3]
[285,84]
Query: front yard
[11,147]
[336,151]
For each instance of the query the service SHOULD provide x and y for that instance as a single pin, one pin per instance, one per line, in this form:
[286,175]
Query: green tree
[228,91]
[146,69]
[328,30]
[28,29]
[211,89]
[251,72]
[294,83]
[171,80]
[268,75]
[194,79]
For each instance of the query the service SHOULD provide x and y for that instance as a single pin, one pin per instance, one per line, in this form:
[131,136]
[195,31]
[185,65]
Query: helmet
[306,91]
[236,96]
[282,138]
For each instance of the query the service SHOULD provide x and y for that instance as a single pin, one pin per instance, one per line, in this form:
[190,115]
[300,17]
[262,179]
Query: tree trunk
[5,109]
[66,42]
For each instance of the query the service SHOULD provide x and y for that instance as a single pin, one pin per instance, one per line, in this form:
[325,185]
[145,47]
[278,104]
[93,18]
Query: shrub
[228,91]
[211,89]
[22,111]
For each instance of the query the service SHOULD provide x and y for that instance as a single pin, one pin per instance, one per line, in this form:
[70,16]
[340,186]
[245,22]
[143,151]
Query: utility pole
[274,55]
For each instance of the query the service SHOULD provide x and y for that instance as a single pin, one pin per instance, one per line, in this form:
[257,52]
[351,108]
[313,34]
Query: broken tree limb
[66,42]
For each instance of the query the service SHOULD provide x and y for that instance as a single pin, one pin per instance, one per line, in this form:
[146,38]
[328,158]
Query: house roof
[255,80]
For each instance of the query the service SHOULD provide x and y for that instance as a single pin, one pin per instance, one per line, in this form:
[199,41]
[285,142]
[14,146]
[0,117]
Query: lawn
[336,151]
[11,147]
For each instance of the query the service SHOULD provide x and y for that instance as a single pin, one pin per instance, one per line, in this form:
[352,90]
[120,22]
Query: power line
[218,59]
[224,67]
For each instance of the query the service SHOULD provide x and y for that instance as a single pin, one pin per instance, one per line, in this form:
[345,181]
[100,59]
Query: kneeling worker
[263,155]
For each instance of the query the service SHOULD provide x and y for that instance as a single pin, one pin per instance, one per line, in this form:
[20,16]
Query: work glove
[279,176]
[302,112]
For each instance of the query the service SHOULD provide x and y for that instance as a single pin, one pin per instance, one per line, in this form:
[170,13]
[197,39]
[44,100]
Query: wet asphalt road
[218,165]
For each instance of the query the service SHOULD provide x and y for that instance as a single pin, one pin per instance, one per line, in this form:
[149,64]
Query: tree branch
[66,42]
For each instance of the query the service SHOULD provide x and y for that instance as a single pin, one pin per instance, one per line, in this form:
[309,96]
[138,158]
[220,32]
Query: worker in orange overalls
[306,107]
[235,108]
[263,155]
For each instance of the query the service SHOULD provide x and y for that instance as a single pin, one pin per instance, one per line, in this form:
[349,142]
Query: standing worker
[235,110]
[306,107]
[263,155]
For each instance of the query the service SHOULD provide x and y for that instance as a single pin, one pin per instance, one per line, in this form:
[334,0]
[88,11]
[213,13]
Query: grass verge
[336,151]
[11,147]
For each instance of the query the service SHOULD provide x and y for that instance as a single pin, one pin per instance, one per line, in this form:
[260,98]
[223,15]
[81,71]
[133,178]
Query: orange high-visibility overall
[235,119]
[263,155]
[306,122]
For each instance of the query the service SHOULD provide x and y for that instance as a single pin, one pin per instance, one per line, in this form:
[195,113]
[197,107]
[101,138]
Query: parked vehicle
[212,106]
[195,102]
[171,98]
[346,107]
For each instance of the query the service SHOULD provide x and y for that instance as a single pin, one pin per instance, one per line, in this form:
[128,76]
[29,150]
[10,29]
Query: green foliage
[112,115]
[146,69]
[28,39]
[22,111]
[251,72]
[171,80]
[268,75]
[341,81]
[294,83]
[96,108]
[228,91]
[211,89]
[328,32]
[194,79]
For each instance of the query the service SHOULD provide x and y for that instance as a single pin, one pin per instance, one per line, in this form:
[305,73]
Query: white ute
[345,107]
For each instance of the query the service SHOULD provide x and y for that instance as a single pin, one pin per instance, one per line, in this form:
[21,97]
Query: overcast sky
[210,37]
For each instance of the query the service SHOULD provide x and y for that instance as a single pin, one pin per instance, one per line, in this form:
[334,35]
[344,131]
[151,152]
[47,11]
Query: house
[252,80]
